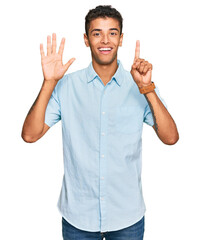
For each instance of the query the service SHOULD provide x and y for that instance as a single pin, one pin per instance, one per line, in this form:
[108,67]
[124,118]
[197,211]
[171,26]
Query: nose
[105,39]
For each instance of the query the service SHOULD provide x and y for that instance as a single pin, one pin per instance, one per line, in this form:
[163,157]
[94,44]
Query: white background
[31,174]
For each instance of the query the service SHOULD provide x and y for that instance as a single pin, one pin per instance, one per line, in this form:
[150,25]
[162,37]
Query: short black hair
[102,11]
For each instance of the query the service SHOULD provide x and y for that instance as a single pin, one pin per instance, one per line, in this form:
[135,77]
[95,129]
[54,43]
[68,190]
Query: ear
[86,40]
[121,40]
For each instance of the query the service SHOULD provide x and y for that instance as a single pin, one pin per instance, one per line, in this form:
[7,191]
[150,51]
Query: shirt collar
[118,76]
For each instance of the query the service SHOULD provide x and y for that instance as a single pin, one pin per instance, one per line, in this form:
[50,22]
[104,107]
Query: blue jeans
[134,232]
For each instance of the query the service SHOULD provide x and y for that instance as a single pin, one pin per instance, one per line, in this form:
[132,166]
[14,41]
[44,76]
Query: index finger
[137,49]
[61,48]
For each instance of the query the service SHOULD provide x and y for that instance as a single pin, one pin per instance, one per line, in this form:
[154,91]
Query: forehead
[104,23]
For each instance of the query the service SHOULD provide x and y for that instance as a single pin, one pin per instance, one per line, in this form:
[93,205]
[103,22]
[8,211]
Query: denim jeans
[134,232]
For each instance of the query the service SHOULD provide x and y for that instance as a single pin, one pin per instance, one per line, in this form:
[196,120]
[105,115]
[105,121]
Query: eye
[96,34]
[113,33]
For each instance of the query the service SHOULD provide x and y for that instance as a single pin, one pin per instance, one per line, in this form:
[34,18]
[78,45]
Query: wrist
[141,85]
[144,89]
[149,93]
[49,84]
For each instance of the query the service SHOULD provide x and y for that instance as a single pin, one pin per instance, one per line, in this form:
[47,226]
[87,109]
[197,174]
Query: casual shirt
[102,148]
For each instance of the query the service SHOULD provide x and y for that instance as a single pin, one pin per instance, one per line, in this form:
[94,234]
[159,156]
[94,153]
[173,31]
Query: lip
[105,52]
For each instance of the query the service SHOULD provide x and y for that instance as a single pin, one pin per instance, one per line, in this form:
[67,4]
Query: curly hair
[102,11]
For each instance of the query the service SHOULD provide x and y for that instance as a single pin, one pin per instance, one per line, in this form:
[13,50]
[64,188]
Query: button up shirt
[102,148]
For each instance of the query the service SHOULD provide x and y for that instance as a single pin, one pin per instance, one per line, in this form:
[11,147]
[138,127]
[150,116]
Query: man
[102,108]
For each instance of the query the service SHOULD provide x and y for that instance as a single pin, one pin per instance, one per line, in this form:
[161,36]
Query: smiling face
[104,39]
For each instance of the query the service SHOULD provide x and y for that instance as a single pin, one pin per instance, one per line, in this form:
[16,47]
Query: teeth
[104,49]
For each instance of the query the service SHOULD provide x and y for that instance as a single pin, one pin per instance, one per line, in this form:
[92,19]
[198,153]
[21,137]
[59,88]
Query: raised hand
[141,70]
[52,66]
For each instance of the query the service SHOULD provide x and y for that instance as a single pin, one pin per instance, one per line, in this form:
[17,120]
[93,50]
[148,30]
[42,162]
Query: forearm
[34,122]
[164,124]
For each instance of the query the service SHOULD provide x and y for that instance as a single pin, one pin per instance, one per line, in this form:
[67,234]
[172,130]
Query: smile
[105,50]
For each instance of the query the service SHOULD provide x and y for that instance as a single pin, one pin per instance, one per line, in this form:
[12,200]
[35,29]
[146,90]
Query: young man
[102,108]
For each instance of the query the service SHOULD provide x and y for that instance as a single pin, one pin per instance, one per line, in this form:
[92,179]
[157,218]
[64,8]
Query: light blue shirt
[102,148]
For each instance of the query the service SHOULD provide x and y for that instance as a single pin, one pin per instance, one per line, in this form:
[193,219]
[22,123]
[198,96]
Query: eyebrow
[99,30]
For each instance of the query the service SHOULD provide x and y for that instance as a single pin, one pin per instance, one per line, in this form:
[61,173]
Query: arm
[164,124]
[34,126]
[53,70]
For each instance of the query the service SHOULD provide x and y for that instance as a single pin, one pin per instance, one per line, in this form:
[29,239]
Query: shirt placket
[103,159]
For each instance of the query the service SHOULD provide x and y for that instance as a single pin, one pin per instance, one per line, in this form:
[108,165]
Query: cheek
[116,42]
[93,45]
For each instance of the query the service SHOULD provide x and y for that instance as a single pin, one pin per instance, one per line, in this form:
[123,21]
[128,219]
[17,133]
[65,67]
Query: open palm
[52,66]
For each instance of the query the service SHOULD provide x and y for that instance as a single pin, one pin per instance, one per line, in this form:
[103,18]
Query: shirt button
[103,112]
[102,133]
[102,198]
[102,178]
[102,155]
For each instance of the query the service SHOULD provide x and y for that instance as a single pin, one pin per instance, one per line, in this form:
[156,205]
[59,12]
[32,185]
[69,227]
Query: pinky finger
[41,50]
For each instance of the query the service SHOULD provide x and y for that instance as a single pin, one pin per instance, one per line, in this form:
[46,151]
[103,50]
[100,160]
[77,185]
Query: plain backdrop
[31,174]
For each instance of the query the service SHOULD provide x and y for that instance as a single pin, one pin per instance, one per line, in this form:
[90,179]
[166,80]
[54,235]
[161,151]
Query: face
[104,39]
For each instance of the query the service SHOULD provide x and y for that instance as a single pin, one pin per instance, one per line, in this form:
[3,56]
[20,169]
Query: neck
[105,72]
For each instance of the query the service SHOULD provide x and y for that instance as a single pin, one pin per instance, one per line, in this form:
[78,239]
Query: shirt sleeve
[53,113]
[148,116]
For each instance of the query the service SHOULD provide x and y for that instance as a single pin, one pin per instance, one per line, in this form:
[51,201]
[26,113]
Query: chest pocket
[129,119]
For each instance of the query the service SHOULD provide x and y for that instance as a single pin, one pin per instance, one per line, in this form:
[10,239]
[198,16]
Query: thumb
[67,65]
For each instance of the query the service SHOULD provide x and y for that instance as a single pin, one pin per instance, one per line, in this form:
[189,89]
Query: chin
[105,61]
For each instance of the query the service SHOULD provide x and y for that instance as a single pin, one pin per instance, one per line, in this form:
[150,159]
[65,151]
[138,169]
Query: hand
[52,66]
[141,70]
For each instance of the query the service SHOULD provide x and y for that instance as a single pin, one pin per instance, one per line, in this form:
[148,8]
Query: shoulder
[70,78]
[75,74]
[132,88]
[129,81]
